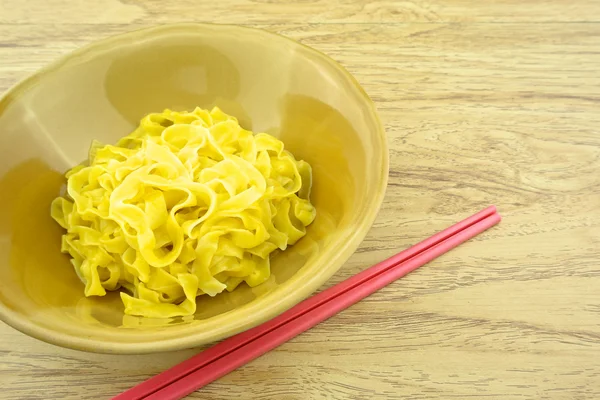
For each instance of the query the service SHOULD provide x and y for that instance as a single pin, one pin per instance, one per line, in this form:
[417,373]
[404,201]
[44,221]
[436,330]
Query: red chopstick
[230,354]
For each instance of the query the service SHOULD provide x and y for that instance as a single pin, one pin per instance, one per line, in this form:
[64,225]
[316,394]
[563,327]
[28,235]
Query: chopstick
[236,351]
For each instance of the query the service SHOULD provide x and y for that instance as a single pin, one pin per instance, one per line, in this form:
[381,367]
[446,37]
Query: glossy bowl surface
[270,83]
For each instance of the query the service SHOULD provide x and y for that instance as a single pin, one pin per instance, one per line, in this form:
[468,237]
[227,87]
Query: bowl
[270,83]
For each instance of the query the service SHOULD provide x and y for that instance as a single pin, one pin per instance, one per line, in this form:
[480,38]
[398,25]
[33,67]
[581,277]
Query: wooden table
[484,102]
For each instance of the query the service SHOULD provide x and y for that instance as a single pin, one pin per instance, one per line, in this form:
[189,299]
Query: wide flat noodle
[188,204]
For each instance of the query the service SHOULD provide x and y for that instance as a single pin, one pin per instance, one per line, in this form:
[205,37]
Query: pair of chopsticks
[240,349]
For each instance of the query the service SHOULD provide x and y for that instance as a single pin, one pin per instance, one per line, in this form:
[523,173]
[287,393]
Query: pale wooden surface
[484,102]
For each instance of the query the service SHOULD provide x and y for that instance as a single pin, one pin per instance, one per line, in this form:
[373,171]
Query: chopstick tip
[492,209]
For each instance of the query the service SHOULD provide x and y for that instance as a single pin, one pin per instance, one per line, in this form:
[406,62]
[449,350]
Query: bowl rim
[267,310]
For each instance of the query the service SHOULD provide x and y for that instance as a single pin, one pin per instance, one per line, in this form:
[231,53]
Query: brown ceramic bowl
[272,84]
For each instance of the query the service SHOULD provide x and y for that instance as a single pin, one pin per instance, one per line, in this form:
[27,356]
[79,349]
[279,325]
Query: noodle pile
[187,204]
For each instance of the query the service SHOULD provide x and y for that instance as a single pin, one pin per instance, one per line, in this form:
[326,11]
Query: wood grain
[300,11]
[483,102]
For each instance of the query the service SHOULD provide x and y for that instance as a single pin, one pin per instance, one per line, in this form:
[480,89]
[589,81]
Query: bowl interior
[271,84]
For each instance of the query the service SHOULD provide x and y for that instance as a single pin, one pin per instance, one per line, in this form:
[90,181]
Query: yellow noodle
[189,203]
